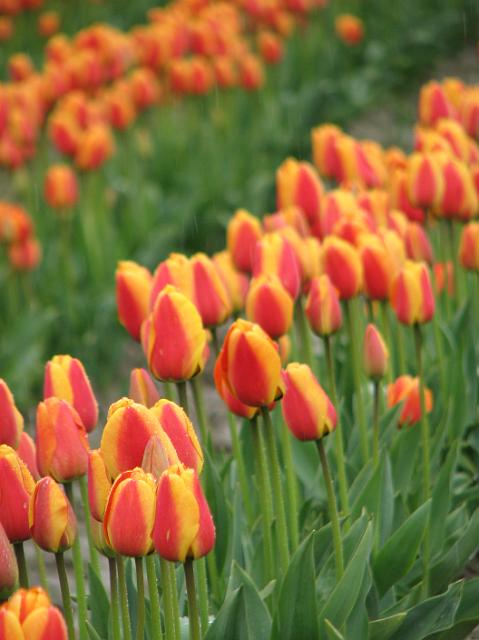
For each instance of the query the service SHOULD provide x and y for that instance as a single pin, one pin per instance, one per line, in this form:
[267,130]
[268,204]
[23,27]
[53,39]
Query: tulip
[8,566]
[183,526]
[16,487]
[323,308]
[400,199]
[325,152]
[251,365]
[173,337]
[406,389]
[45,623]
[235,282]
[411,294]
[307,410]
[11,420]
[234,405]
[24,601]
[251,74]
[180,431]
[25,255]
[62,442]
[243,232]
[210,295]
[270,47]
[455,136]
[130,513]
[95,146]
[51,517]
[459,199]
[291,217]
[416,242]
[27,451]
[10,628]
[65,378]
[434,104]
[142,388]
[270,305]
[99,484]
[133,290]
[60,187]
[341,262]
[375,353]
[377,271]
[98,538]
[444,277]
[469,246]
[274,255]
[349,28]
[175,270]
[424,180]
[297,184]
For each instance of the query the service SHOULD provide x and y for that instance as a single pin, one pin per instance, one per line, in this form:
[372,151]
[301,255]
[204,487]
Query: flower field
[239,345]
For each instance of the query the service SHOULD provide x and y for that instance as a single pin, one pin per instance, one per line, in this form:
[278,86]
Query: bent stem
[125,611]
[333,511]
[79,575]
[156,633]
[115,603]
[67,603]
[22,565]
[140,599]
[193,613]
[86,509]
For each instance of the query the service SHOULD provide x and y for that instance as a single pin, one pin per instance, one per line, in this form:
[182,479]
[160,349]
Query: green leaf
[383,628]
[403,454]
[397,556]
[220,509]
[441,500]
[467,616]
[92,633]
[98,603]
[332,632]
[296,615]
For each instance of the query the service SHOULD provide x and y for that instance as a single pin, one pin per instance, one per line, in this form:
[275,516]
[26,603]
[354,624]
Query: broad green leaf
[368,497]
[331,631]
[467,616]
[384,516]
[397,556]
[220,509]
[403,455]
[92,632]
[383,628]
[441,500]
[357,623]
[98,603]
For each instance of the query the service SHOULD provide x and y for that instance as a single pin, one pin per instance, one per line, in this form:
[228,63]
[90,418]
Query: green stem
[182,395]
[42,572]
[140,600]
[202,594]
[283,548]
[22,565]
[67,603]
[86,510]
[440,356]
[192,603]
[168,609]
[333,511]
[156,633]
[454,262]
[360,415]
[125,611]
[305,335]
[400,339]
[291,485]
[386,326]
[79,574]
[338,437]
[238,456]
[115,603]
[376,423]
[200,412]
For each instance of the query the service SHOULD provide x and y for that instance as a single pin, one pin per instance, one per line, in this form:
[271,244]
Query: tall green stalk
[238,456]
[202,593]
[66,599]
[171,613]
[86,510]
[115,602]
[140,600]
[156,633]
[304,331]
[200,412]
[22,565]
[125,611]
[291,486]
[193,613]
[78,568]
[265,498]
[376,423]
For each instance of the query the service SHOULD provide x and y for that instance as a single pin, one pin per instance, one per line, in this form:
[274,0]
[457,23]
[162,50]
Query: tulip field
[239,346]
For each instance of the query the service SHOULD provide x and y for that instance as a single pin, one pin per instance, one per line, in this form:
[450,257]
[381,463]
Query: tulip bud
[325,151]
[400,199]
[434,104]
[99,484]
[178,428]
[376,267]
[243,232]
[142,388]
[469,246]
[155,459]
[173,337]
[27,452]
[8,566]
[307,410]
[11,420]
[60,188]
[424,180]
[51,517]
[209,293]
[95,146]
[16,487]
[62,442]
[375,353]
[235,282]
[297,184]
[270,305]
[251,365]
[10,628]
[234,405]
[459,200]
[418,247]
[411,294]
[274,255]
[406,390]
[342,264]
[130,513]
[183,525]
[45,623]
[349,28]
[65,378]
[128,428]
[175,270]
[24,601]
[323,309]
[133,289]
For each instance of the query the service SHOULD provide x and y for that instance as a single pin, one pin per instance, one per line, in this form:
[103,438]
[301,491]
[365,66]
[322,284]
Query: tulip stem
[386,325]
[376,397]
[140,599]
[79,575]
[305,335]
[333,511]
[125,612]
[360,416]
[200,412]
[156,633]
[22,565]
[172,616]
[203,593]
[115,605]
[193,613]
[238,456]
[338,436]
[426,464]
[454,263]
[42,572]
[281,528]
[86,510]
[265,498]
[67,603]
[291,485]
[182,395]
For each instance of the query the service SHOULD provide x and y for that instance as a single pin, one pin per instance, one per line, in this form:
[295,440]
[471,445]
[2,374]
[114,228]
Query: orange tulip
[325,151]
[45,623]
[434,104]
[27,451]
[274,255]
[349,28]
[175,270]
[425,182]
[99,484]
[24,601]
[16,487]
[231,401]
[142,388]
[297,184]
[406,389]
[95,146]
[60,187]
[469,246]
[243,232]
[10,628]
[210,295]
[270,305]
[11,420]
[375,353]
[398,189]
[411,294]
[51,517]
[376,267]
[8,566]
[133,290]
[323,309]
[341,262]
[417,245]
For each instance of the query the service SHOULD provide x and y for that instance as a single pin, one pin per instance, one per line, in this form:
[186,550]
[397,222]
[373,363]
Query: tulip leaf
[441,500]
[98,603]
[357,623]
[92,633]
[383,628]
[331,631]
[467,616]
[219,508]
[403,454]
[296,615]
[397,556]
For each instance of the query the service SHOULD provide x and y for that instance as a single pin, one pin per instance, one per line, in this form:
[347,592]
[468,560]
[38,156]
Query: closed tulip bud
[142,388]
[270,46]
[235,281]
[128,428]
[183,525]
[376,267]
[99,484]
[270,305]
[375,353]
[341,262]
[274,255]
[10,628]
[412,297]
[325,151]
[175,270]
[95,146]
[406,390]
[469,246]
[209,292]
[155,459]
[173,337]
[27,451]
[8,566]
[398,189]
[133,290]
[234,405]
[16,487]
[298,184]
[307,410]
[178,428]
[65,378]
[459,200]
[11,420]
[60,188]
[51,517]
[45,623]
[349,28]
[424,180]
[434,104]
[62,442]
[24,601]
[251,73]
[416,242]
[323,308]
[243,232]
[130,513]
[251,365]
